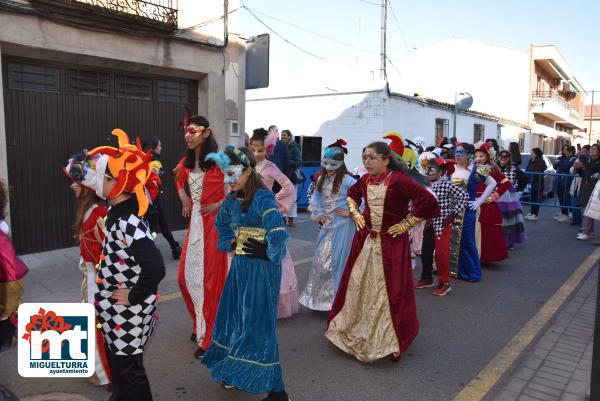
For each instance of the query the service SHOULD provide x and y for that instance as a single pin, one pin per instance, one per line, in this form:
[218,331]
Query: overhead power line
[309,31]
[370,2]
[281,37]
[399,27]
[208,22]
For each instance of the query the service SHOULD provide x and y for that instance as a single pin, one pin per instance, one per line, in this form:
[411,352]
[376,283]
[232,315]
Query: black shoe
[193,338]
[176,252]
[199,354]
[277,396]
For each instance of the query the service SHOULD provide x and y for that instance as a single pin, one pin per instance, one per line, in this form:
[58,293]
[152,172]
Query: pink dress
[288,292]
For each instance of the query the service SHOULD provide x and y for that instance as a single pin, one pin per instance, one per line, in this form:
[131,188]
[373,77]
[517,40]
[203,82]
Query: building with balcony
[591,132]
[534,87]
[73,70]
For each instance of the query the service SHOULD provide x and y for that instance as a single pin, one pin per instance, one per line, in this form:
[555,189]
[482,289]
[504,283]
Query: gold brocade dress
[364,327]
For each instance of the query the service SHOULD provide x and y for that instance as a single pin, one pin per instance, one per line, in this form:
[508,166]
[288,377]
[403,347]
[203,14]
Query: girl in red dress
[90,213]
[202,268]
[489,235]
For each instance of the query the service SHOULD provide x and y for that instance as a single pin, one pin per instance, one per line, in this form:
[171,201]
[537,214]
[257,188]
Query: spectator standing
[577,169]
[280,156]
[294,173]
[563,184]
[536,194]
[591,174]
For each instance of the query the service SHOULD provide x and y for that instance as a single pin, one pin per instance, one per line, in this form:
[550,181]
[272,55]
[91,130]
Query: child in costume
[464,256]
[328,205]
[262,145]
[452,200]
[202,268]
[489,234]
[90,214]
[244,352]
[12,271]
[509,204]
[374,313]
[130,268]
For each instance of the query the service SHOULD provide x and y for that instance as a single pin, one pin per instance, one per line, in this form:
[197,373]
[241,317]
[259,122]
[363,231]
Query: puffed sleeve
[285,197]
[503,183]
[276,234]
[181,175]
[355,193]
[315,206]
[424,202]
[223,225]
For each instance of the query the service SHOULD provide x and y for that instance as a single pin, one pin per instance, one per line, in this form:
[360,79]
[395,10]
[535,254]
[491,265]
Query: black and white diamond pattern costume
[130,260]
[451,198]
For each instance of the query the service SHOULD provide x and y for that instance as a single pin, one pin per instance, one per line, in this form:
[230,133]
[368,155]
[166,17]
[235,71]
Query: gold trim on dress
[245,233]
[277,229]
[268,211]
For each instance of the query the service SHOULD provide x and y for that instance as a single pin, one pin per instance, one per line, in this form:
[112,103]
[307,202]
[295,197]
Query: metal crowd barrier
[551,190]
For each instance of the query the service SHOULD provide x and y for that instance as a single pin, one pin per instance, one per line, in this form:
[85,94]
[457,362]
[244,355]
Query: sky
[571,26]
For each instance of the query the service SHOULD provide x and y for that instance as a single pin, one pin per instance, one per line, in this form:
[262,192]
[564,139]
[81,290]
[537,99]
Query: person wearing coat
[563,184]
[292,173]
[536,192]
[591,174]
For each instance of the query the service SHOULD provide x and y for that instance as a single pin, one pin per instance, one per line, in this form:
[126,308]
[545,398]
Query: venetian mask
[233,173]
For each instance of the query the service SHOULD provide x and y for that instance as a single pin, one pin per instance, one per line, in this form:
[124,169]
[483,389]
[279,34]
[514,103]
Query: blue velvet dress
[464,257]
[244,351]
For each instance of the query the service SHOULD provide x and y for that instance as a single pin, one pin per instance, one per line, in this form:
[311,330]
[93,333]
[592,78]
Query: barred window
[93,83]
[30,77]
[172,91]
[131,87]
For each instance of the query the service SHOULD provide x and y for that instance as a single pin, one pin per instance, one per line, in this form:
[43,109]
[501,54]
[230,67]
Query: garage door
[53,111]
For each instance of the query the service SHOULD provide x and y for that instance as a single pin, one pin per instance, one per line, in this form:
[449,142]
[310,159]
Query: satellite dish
[464,101]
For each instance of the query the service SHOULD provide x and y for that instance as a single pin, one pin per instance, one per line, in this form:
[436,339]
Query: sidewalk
[558,366]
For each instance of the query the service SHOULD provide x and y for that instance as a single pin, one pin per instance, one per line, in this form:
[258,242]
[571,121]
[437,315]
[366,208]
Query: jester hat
[448,164]
[401,152]
[130,167]
[486,148]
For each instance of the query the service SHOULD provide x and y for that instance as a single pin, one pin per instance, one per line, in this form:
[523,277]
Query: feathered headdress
[341,144]
[81,169]
[129,166]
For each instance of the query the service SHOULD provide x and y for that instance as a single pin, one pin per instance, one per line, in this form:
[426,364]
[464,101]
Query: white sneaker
[563,219]
[532,217]
[585,237]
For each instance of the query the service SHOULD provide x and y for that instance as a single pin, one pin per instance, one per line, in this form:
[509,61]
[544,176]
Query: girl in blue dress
[244,352]
[328,205]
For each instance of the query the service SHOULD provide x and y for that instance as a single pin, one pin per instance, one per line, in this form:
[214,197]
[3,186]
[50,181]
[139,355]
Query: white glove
[474,205]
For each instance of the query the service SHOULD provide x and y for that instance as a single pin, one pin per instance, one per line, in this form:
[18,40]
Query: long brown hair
[254,182]
[84,201]
[209,145]
[340,173]
[383,149]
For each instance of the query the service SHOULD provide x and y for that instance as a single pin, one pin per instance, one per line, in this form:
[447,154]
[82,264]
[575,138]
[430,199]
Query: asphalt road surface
[459,334]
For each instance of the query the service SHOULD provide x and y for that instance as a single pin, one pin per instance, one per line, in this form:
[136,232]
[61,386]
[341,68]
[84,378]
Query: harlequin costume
[288,292]
[374,312]
[129,260]
[244,352]
[438,231]
[202,268]
[489,234]
[81,169]
[335,237]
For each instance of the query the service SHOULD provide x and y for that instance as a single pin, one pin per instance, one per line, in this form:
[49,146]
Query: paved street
[460,333]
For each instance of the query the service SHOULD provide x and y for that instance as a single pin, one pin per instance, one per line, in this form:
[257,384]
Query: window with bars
[441,129]
[131,87]
[92,83]
[30,77]
[172,91]
[478,132]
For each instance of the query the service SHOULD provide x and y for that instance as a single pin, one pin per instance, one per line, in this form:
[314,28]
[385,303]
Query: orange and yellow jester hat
[130,167]
[401,152]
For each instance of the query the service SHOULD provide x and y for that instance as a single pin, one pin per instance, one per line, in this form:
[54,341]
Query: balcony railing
[554,96]
[163,11]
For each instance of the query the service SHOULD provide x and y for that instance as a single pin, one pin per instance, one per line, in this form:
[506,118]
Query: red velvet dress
[374,313]
[491,244]
[202,268]
[91,236]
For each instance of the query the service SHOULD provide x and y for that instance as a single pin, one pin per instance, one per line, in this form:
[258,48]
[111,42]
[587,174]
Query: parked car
[548,175]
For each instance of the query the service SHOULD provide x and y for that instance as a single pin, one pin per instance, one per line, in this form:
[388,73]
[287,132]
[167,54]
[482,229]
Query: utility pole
[591,120]
[384,6]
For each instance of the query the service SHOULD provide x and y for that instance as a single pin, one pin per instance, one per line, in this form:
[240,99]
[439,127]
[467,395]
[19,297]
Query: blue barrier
[555,186]
[308,168]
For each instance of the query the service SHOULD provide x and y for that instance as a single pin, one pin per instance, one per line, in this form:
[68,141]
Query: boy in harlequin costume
[130,268]
[90,214]
[438,232]
[489,235]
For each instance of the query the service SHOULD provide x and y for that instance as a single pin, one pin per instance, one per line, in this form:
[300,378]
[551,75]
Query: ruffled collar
[379,179]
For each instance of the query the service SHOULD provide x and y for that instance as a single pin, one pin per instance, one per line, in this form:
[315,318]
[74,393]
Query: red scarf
[376,180]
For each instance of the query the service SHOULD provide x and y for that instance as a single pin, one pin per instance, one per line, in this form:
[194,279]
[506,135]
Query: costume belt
[244,234]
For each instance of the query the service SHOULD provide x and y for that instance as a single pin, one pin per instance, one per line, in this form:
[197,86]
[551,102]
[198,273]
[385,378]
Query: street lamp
[462,101]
